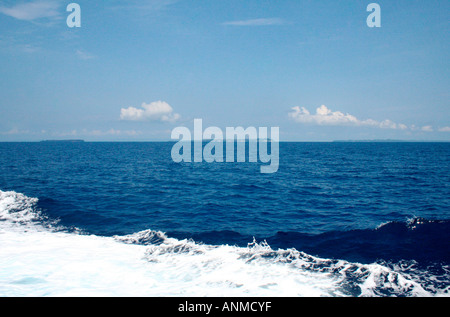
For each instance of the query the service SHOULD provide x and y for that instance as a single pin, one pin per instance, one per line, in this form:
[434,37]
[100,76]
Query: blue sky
[134,70]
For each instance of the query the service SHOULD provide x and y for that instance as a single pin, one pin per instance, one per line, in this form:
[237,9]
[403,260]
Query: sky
[136,69]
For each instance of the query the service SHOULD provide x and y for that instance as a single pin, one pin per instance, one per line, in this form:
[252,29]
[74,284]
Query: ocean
[342,219]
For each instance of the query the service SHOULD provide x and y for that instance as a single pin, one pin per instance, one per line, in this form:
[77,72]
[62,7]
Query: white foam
[42,263]
[15,207]
[41,260]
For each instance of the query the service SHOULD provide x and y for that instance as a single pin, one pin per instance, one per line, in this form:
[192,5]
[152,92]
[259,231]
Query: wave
[422,240]
[41,258]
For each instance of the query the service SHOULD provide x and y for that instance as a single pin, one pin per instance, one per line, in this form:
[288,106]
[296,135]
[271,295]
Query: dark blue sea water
[361,203]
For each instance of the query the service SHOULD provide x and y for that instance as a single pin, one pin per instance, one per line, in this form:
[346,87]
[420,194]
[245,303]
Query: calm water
[362,203]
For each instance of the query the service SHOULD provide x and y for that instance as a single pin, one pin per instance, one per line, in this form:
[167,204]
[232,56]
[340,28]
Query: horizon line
[224,140]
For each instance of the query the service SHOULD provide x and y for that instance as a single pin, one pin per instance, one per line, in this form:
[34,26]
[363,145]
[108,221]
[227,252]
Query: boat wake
[38,257]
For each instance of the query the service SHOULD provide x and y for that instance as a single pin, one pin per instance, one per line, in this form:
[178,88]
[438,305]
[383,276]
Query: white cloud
[85,132]
[444,129]
[33,10]
[14,131]
[155,111]
[112,132]
[325,116]
[256,22]
[427,128]
[402,126]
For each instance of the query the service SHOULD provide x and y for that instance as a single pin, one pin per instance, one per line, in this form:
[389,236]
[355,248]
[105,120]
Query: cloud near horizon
[14,131]
[327,117]
[155,111]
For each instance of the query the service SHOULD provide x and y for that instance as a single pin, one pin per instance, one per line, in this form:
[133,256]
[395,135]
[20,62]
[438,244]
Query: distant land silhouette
[62,141]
